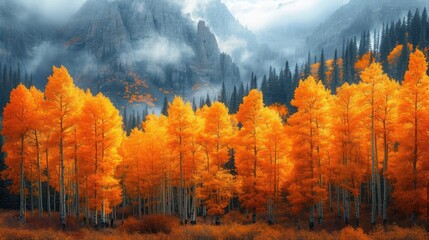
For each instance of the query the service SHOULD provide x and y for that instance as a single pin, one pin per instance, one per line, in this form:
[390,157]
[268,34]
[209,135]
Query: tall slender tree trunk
[48,194]
[62,185]
[22,185]
[194,205]
[346,207]
[31,191]
[357,209]
[163,195]
[427,203]
[139,204]
[377,176]
[385,184]
[123,200]
[415,157]
[76,170]
[330,196]
[373,166]
[39,176]
[103,213]
[338,201]
[55,200]
[311,220]
[181,188]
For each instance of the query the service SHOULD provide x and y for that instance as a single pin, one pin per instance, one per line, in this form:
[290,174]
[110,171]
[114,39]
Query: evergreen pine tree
[125,119]
[264,88]
[322,69]
[307,70]
[222,95]
[208,102]
[233,103]
[414,32]
[335,73]
[423,30]
[253,82]
[241,94]
[403,63]
[194,105]
[165,106]
[201,102]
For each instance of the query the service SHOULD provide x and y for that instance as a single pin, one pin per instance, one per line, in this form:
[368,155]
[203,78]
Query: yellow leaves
[310,94]
[363,62]
[197,86]
[310,128]
[395,54]
[138,91]
[280,109]
[19,113]
[314,70]
[417,68]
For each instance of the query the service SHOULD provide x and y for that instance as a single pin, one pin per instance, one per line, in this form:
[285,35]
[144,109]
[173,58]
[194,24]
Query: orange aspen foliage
[281,110]
[309,129]
[276,165]
[217,190]
[157,158]
[132,166]
[217,186]
[315,70]
[371,86]
[216,136]
[349,144]
[35,139]
[180,132]
[410,188]
[395,54]
[100,130]
[249,144]
[364,62]
[63,106]
[18,117]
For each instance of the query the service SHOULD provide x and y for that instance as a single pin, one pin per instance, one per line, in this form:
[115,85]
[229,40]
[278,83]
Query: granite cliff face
[206,45]
[108,43]
[216,65]
[152,35]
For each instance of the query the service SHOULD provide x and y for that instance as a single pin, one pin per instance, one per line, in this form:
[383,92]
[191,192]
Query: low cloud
[157,52]
[53,10]
[162,50]
[232,45]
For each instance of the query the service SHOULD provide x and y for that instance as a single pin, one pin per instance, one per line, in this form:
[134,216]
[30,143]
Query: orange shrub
[349,233]
[395,232]
[150,224]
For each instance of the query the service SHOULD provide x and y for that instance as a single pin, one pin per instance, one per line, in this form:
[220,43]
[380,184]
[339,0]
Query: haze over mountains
[153,48]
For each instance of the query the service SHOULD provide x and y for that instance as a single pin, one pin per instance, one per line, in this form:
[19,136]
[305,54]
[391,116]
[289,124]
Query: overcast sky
[260,14]
[255,14]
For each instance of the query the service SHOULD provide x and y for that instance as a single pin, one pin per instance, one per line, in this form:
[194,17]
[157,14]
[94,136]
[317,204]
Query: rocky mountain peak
[207,48]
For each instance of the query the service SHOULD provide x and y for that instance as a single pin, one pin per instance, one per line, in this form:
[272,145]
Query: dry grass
[164,228]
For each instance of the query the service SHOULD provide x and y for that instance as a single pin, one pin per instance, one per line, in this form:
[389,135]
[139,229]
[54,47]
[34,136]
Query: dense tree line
[329,132]
[345,149]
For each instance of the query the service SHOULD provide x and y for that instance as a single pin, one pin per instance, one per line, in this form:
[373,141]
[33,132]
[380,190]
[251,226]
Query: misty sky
[255,14]
[258,15]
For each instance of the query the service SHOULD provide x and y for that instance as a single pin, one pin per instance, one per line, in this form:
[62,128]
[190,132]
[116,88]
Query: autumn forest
[336,148]
[361,149]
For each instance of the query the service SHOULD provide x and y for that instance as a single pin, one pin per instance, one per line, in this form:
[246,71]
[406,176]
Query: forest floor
[162,227]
